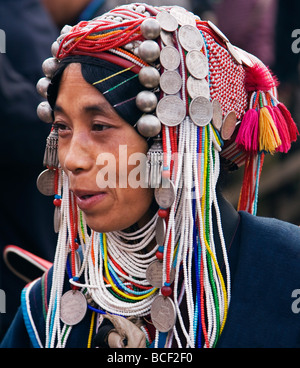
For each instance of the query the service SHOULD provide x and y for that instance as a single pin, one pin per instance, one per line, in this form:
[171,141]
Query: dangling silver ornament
[149,125]
[146,101]
[149,77]
[154,164]
[50,155]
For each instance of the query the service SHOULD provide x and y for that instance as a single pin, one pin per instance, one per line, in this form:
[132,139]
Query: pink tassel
[247,137]
[292,127]
[259,78]
[282,130]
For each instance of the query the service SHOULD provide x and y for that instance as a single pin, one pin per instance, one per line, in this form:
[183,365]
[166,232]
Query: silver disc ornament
[170,82]
[160,231]
[154,274]
[171,110]
[217,115]
[190,38]
[169,58]
[163,313]
[73,307]
[167,22]
[228,125]
[46,182]
[197,64]
[183,16]
[197,87]
[201,111]
[165,194]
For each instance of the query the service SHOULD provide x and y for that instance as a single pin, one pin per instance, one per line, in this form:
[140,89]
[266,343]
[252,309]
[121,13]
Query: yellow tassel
[269,138]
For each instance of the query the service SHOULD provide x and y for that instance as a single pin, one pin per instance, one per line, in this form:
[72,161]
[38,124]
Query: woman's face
[95,144]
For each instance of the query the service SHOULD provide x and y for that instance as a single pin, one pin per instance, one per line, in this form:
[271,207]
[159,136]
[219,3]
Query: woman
[148,103]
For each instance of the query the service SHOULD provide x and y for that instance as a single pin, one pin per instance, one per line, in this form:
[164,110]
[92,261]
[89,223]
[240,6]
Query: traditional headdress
[195,97]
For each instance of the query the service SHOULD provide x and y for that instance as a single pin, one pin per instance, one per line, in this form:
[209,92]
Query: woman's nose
[78,157]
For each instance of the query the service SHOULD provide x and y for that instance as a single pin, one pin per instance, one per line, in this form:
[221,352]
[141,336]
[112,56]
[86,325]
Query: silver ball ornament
[49,66]
[150,28]
[42,86]
[54,48]
[149,77]
[149,125]
[149,51]
[44,112]
[146,101]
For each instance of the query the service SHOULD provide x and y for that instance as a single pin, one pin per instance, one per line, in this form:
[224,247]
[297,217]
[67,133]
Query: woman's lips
[87,200]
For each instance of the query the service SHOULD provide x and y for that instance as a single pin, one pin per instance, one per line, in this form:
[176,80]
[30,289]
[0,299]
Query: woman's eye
[61,128]
[99,127]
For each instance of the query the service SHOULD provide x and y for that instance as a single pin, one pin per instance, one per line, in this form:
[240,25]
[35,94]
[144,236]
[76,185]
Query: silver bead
[150,28]
[149,51]
[42,86]
[149,125]
[146,101]
[54,48]
[66,29]
[44,112]
[140,9]
[149,77]
[49,66]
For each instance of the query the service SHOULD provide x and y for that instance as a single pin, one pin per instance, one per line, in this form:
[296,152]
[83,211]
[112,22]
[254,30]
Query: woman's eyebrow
[94,108]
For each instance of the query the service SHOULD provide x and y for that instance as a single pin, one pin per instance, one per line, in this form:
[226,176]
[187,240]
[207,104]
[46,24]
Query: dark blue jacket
[265,269]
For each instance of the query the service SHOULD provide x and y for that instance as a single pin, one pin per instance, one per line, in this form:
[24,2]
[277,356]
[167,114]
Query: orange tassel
[269,138]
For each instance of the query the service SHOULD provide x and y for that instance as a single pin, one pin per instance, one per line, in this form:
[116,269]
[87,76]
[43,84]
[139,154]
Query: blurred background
[261,27]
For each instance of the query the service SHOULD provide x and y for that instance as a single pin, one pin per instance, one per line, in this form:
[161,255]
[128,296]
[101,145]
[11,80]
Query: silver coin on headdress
[190,38]
[167,22]
[197,64]
[183,16]
[197,87]
[170,82]
[217,114]
[167,38]
[201,111]
[169,58]
[171,110]
[228,125]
